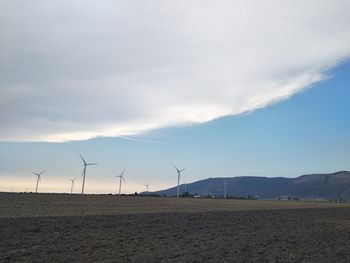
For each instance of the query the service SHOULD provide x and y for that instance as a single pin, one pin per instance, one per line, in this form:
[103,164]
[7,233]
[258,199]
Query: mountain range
[311,186]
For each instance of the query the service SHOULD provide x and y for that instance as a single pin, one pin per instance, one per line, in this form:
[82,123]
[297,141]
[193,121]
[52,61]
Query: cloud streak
[74,70]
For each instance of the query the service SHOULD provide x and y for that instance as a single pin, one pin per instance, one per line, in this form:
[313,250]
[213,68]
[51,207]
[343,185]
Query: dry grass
[34,205]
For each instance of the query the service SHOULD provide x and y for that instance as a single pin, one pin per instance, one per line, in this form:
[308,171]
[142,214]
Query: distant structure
[178,180]
[121,177]
[84,172]
[72,184]
[225,189]
[38,179]
[147,186]
[185,184]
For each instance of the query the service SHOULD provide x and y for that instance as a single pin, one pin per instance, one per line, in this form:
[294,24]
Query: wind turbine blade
[176,168]
[92,164]
[182,170]
[123,179]
[35,173]
[82,159]
[42,172]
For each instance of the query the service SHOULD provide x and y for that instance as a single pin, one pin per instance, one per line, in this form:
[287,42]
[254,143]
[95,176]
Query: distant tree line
[289,198]
[195,195]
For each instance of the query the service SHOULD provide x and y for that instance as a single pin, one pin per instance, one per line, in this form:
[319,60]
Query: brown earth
[34,205]
[167,232]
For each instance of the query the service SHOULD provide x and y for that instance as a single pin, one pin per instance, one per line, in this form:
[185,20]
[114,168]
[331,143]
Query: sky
[236,88]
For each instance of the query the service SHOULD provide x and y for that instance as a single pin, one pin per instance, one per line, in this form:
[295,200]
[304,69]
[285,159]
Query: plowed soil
[307,232]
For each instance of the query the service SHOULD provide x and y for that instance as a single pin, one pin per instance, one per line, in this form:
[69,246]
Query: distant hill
[311,186]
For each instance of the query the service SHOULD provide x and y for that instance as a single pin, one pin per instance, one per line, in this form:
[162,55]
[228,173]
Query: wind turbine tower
[121,177]
[178,180]
[225,189]
[84,172]
[38,179]
[147,186]
[72,184]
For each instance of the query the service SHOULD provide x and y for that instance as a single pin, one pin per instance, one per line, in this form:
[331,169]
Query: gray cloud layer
[74,70]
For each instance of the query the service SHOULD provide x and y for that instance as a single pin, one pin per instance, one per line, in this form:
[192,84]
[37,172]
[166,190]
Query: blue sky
[308,133]
[223,88]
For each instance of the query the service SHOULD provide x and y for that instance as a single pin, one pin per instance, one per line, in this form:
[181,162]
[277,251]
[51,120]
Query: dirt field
[64,228]
[34,205]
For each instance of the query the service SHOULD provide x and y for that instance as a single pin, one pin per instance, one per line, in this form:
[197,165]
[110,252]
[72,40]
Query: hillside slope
[312,186]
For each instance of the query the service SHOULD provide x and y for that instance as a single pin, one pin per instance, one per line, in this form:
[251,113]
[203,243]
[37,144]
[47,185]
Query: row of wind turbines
[121,178]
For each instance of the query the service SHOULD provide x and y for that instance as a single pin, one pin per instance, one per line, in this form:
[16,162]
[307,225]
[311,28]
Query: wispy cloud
[72,70]
[141,140]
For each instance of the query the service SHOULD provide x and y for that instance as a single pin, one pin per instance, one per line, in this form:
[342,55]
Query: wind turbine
[185,184]
[225,189]
[84,172]
[147,186]
[178,180]
[72,181]
[120,180]
[38,179]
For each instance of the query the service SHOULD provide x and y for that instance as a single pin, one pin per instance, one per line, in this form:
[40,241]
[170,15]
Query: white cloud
[72,70]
